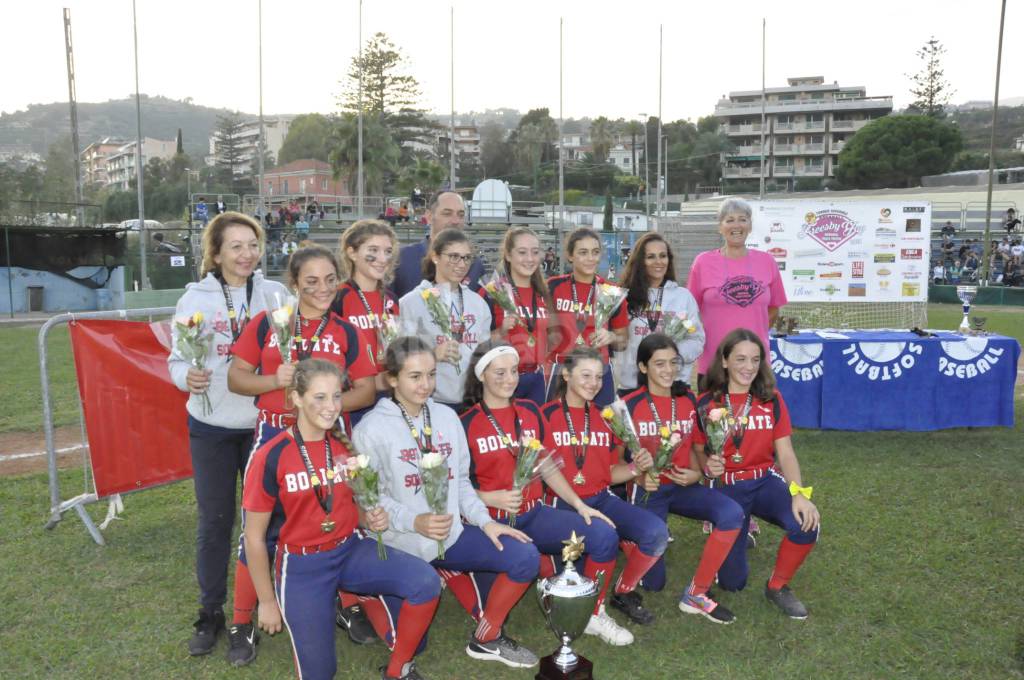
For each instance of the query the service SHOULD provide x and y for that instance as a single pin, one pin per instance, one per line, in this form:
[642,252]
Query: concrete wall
[60,294]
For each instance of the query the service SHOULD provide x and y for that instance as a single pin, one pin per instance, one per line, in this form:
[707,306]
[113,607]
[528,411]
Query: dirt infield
[25,452]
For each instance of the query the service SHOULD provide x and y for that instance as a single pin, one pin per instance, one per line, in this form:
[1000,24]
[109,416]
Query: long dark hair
[437,246]
[303,255]
[572,360]
[763,386]
[634,274]
[537,281]
[648,346]
[473,393]
[400,349]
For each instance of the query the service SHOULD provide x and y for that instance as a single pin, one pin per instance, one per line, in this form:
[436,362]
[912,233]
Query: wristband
[804,491]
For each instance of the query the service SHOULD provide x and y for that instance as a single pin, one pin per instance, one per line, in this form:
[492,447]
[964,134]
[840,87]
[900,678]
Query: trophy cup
[966,295]
[567,600]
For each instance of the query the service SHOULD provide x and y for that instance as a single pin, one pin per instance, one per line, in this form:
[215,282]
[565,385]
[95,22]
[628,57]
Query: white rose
[282,316]
[362,460]
[431,460]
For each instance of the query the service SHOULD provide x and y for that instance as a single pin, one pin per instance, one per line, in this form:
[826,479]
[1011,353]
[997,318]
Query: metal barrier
[77,503]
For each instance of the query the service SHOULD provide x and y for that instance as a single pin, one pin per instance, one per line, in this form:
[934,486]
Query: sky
[506,53]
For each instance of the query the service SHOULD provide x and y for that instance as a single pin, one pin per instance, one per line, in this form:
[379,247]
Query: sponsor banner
[885,257]
[911,253]
[857,269]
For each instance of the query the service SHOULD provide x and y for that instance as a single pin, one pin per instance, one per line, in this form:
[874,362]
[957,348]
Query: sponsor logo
[741,290]
[885,257]
[885,245]
[781,266]
[803,274]
[857,269]
[913,209]
[767,239]
[830,275]
[910,276]
[830,228]
[884,215]
[778,253]
[830,264]
[829,290]
[911,253]
[802,291]
[798,362]
[913,225]
[884,271]
[910,289]
[968,358]
[854,254]
[808,253]
[777,227]
[881,361]
[857,290]
[883,286]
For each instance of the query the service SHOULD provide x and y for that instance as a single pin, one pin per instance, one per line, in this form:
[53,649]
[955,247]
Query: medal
[531,341]
[740,427]
[325,497]
[300,343]
[579,452]
[579,479]
[376,322]
[503,436]
[327,526]
[528,320]
[579,339]
[581,310]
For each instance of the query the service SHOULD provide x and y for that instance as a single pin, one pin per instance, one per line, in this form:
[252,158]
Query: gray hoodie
[675,300]
[230,410]
[414,319]
[384,437]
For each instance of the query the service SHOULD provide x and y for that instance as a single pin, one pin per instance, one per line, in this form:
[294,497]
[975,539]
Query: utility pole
[657,206]
[73,103]
[261,145]
[647,169]
[360,187]
[763,106]
[561,153]
[451,122]
[992,151]
[143,241]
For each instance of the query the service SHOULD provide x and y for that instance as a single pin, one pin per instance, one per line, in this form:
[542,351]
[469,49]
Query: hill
[42,124]
[976,127]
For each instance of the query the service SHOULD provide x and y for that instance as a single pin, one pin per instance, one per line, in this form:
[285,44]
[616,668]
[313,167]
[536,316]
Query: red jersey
[492,463]
[767,421]
[569,321]
[532,312]
[339,343]
[349,306]
[277,482]
[647,425]
[598,456]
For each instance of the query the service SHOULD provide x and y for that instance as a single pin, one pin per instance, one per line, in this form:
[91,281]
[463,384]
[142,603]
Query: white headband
[490,356]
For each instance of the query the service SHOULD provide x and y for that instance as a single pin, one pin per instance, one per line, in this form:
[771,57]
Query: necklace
[654,411]
[529,319]
[654,311]
[300,343]
[502,436]
[740,428]
[425,443]
[459,327]
[579,445]
[582,311]
[236,326]
[325,497]
[375,321]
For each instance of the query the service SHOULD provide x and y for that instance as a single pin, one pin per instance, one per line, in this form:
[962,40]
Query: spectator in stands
[162,246]
[550,261]
[390,216]
[938,273]
[445,211]
[995,267]
[948,231]
[971,267]
[1012,221]
[403,212]
[289,245]
[947,253]
[1016,252]
[1004,247]
[1014,277]
[955,272]
[964,249]
[202,211]
[220,206]
[283,217]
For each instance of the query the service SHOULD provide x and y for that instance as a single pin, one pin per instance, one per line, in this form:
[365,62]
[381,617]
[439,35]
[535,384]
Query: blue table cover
[893,380]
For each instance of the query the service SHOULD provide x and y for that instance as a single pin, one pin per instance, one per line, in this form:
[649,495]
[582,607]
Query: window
[816,139]
[323,184]
[787,97]
[286,186]
[815,162]
[815,117]
[783,162]
[817,95]
[784,118]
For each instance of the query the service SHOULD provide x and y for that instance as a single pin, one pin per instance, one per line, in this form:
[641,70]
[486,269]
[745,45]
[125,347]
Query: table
[896,380]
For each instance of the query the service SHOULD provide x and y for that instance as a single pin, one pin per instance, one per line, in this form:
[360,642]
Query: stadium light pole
[992,151]
[764,104]
[260,146]
[647,170]
[561,154]
[451,88]
[360,187]
[138,158]
[657,194]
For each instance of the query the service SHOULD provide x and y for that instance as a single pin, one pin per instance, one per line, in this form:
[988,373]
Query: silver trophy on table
[567,601]
[966,295]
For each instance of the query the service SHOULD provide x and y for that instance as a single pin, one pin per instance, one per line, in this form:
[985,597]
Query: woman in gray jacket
[230,293]
[397,435]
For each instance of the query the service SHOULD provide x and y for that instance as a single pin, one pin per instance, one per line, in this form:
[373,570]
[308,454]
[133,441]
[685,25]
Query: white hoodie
[384,436]
[230,410]
[675,300]
[416,320]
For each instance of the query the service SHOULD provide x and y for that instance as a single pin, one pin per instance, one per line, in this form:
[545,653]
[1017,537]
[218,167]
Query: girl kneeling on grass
[399,435]
[758,467]
[295,489]
[576,431]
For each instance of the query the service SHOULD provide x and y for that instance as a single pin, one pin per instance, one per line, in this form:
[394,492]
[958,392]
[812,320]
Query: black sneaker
[784,599]
[706,606]
[353,619]
[243,639]
[208,628]
[503,649]
[409,672]
[632,605]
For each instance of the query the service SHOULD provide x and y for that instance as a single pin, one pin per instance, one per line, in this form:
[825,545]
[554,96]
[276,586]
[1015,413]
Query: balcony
[808,126]
[783,171]
[851,125]
[837,145]
[733,172]
[744,129]
[811,171]
[796,149]
[726,108]
[747,150]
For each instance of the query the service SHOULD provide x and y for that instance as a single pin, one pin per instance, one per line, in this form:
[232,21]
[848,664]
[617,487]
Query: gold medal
[327,526]
[736,458]
[579,339]
[531,341]
[579,479]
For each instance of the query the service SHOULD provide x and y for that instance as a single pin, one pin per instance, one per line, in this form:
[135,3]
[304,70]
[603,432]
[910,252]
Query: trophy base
[549,670]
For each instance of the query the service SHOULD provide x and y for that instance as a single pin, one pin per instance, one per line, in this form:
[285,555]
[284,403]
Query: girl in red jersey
[294,490]
[495,423]
[758,467]
[573,296]
[664,401]
[575,430]
[519,260]
[257,370]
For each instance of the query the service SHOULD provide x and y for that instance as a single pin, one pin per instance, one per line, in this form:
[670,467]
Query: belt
[523,509]
[743,475]
[279,420]
[313,549]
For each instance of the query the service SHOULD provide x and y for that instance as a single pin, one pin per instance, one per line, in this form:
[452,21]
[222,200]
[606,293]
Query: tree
[59,177]
[895,151]
[609,211]
[495,151]
[602,134]
[533,142]
[930,88]
[228,149]
[380,153]
[634,128]
[307,137]
[425,173]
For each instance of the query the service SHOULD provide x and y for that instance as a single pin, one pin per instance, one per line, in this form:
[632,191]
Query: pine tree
[229,151]
[930,88]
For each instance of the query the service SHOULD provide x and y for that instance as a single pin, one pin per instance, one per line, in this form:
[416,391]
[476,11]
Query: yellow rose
[664,432]
[197,318]
[607,413]
[534,444]
[425,295]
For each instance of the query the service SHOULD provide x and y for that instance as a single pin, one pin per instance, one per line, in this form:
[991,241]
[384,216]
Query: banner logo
[857,269]
[799,362]
[882,361]
[830,228]
[968,358]
[910,253]
[857,290]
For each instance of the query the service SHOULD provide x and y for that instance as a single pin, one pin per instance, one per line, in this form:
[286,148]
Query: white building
[120,164]
[621,156]
[248,136]
[807,124]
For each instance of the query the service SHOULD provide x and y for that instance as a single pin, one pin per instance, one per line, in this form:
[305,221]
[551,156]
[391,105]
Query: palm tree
[424,172]
[602,134]
[380,153]
[634,128]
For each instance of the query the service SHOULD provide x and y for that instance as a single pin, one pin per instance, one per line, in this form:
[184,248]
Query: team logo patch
[830,228]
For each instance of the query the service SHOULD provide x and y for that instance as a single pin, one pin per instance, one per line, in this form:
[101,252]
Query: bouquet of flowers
[606,301]
[669,440]
[532,463]
[501,291]
[280,309]
[717,427]
[193,346]
[440,315]
[387,330]
[365,484]
[433,470]
[617,417]
[678,326]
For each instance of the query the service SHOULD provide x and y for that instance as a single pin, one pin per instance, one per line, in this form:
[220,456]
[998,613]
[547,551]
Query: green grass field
[918,574]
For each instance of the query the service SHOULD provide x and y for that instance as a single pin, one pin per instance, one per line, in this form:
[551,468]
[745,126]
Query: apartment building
[248,136]
[120,164]
[467,145]
[807,124]
[94,159]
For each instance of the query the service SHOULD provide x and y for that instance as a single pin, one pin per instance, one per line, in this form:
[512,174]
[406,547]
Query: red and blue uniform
[310,565]
[694,501]
[533,326]
[645,534]
[757,486]
[571,312]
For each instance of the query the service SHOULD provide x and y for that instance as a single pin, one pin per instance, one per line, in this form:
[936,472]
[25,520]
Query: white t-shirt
[1017,250]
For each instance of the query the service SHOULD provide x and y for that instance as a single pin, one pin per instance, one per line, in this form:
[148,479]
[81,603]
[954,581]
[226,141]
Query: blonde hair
[355,236]
[213,237]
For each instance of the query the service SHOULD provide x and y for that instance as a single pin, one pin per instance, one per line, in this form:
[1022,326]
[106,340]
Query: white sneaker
[605,627]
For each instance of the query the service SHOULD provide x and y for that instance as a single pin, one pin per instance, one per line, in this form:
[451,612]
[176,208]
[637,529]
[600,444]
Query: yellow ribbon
[805,491]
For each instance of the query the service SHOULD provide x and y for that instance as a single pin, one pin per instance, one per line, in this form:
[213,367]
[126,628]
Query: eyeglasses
[455,258]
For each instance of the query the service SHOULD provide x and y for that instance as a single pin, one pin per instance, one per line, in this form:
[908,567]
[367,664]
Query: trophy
[966,295]
[567,601]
